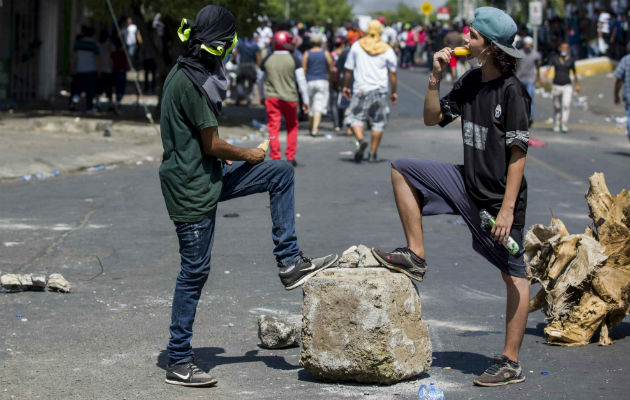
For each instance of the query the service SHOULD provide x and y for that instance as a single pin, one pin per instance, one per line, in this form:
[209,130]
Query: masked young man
[494,108]
[194,180]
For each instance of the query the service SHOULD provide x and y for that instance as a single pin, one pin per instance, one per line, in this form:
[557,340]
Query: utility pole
[287,10]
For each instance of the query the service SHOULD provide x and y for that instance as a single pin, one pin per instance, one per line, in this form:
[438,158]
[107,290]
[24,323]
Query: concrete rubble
[358,257]
[35,282]
[363,325]
[277,333]
[585,278]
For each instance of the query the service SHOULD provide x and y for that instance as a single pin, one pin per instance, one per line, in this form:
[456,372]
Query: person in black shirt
[562,89]
[494,108]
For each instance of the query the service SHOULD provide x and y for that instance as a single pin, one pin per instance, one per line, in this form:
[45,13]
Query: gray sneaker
[503,372]
[402,260]
[296,274]
[360,153]
[188,374]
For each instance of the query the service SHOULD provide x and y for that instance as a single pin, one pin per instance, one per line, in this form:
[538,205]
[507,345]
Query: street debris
[34,282]
[585,278]
[364,326]
[231,215]
[277,333]
[358,257]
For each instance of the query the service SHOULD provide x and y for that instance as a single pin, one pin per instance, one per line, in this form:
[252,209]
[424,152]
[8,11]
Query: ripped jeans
[196,239]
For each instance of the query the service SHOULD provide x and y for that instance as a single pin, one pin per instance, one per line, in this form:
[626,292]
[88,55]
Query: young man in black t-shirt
[494,108]
[562,90]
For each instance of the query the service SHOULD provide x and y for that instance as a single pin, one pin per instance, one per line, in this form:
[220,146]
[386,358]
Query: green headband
[184,34]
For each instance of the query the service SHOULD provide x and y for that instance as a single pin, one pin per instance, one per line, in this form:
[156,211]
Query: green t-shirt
[191,181]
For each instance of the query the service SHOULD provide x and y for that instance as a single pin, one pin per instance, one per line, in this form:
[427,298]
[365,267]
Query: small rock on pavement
[364,326]
[276,333]
[59,283]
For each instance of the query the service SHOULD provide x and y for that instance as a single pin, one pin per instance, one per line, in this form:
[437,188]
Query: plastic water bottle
[430,392]
[487,223]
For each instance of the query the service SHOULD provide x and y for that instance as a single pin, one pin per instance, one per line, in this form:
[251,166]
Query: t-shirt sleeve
[620,71]
[350,60]
[196,108]
[391,60]
[517,105]
[451,103]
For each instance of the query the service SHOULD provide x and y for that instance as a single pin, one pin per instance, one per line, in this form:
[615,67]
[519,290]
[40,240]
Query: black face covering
[211,37]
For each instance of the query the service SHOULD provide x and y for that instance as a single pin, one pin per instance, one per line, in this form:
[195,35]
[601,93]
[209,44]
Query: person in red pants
[283,77]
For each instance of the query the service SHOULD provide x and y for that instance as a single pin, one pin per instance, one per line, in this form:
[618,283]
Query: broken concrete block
[59,283]
[349,258]
[276,333]
[366,258]
[39,280]
[364,326]
[16,281]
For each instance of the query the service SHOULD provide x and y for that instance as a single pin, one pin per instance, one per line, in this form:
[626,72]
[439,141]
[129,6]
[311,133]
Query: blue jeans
[196,238]
[628,120]
[530,87]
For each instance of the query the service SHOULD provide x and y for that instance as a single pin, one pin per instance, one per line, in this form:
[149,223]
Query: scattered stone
[358,257]
[276,333]
[59,283]
[364,326]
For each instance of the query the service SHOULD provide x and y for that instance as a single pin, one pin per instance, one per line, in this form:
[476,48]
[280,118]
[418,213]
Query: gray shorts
[442,191]
[372,105]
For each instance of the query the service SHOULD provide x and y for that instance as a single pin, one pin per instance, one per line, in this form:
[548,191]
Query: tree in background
[321,12]
[403,13]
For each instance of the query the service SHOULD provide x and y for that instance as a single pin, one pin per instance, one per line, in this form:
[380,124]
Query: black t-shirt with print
[495,118]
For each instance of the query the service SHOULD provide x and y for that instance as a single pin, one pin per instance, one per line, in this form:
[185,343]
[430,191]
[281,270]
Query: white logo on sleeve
[497,111]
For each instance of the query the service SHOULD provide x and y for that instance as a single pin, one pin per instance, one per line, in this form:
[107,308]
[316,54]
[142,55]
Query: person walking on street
[247,53]
[370,63]
[562,90]
[120,66]
[339,44]
[528,70]
[132,38]
[193,180]
[85,67]
[494,110]
[622,73]
[317,64]
[284,75]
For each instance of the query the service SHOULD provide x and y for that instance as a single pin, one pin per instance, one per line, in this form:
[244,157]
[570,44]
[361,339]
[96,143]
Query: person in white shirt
[370,62]
[132,37]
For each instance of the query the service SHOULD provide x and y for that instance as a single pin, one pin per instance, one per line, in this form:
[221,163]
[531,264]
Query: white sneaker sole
[201,384]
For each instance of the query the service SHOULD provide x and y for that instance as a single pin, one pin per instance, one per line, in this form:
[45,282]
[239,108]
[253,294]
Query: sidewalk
[41,144]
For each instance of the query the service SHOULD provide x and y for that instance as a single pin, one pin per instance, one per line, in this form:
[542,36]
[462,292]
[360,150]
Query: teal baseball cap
[498,27]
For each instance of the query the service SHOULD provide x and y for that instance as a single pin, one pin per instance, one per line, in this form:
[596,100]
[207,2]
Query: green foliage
[311,12]
[246,12]
[403,13]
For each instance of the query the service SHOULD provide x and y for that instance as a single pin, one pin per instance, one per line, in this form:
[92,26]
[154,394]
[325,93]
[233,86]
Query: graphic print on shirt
[475,135]
[511,136]
[497,111]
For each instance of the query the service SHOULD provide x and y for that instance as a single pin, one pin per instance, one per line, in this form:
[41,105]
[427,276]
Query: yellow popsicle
[264,145]
[461,51]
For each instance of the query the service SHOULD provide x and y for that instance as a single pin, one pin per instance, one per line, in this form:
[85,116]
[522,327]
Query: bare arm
[432,110]
[393,78]
[618,85]
[347,91]
[213,145]
[305,62]
[329,61]
[505,218]
[258,58]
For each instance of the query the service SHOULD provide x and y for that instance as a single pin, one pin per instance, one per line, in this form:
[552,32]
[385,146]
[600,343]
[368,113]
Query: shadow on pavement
[468,363]
[537,331]
[619,153]
[208,357]
[304,376]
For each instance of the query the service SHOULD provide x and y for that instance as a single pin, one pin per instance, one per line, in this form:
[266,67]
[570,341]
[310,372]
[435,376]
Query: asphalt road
[106,339]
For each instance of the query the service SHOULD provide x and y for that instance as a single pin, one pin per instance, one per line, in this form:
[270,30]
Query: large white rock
[277,333]
[363,325]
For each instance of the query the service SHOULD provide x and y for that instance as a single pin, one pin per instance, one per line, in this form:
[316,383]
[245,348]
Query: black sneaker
[358,155]
[188,374]
[296,274]
[372,158]
[503,372]
[293,163]
[402,260]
